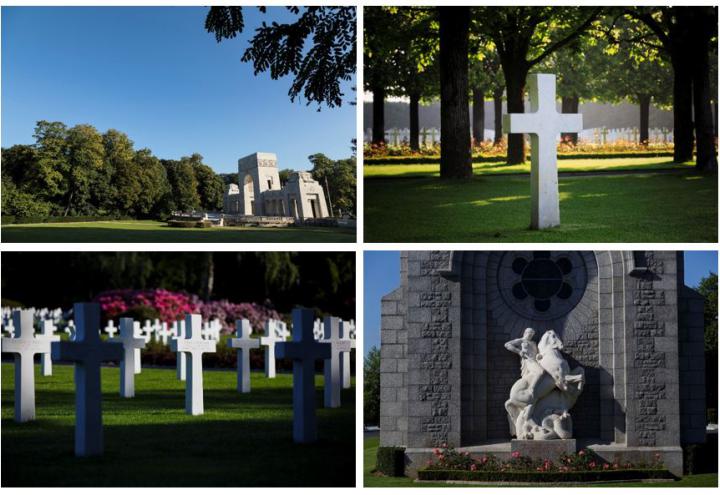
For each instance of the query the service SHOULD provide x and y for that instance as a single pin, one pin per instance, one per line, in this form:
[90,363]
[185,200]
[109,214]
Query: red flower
[473,467]
[515,454]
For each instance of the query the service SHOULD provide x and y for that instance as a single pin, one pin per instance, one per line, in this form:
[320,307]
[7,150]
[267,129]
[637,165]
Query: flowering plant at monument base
[448,463]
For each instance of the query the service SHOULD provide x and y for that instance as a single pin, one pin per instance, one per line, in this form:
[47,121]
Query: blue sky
[382,275]
[157,75]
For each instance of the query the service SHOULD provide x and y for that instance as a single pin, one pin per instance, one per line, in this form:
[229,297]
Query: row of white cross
[88,351]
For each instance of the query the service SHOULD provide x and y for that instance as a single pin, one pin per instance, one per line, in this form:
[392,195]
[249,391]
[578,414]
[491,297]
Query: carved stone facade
[260,193]
[625,317]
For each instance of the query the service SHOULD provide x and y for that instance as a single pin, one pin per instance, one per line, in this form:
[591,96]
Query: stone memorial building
[261,194]
[625,318]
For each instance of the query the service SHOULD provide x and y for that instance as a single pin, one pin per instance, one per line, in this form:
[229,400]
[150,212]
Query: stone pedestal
[544,449]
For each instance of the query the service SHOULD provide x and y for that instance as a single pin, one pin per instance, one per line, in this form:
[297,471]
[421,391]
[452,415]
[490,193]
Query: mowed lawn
[370,479]
[637,207]
[154,231]
[502,168]
[241,440]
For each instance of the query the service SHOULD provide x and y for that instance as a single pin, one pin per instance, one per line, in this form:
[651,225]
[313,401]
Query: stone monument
[544,124]
[261,194]
[621,366]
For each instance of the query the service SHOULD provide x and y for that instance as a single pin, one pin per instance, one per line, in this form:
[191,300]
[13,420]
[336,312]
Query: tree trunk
[455,159]
[706,155]
[570,104]
[208,276]
[415,122]
[515,91]
[497,106]
[478,115]
[644,102]
[378,119]
[716,117]
[682,109]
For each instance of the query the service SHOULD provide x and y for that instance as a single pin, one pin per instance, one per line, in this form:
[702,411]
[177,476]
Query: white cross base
[543,123]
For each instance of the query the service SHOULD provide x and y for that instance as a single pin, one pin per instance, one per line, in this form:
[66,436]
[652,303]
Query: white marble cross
[180,360]
[243,343]
[130,344]
[147,331]
[338,346]
[164,333]
[347,331]
[194,345]
[111,329]
[273,332]
[9,327]
[47,329]
[543,123]
[24,346]
[137,332]
[303,350]
[70,329]
[318,332]
[87,351]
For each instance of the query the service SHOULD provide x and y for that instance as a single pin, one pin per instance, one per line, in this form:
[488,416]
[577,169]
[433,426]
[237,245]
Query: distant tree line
[662,55]
[281,280]
[77,171]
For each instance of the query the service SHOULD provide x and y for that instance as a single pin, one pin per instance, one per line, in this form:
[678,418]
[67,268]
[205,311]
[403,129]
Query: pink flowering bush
[173,306]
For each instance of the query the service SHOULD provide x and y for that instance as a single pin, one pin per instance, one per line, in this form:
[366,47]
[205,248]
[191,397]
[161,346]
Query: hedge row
[429,474]
[391,461]
[11,219]
[190,224]
[412,160]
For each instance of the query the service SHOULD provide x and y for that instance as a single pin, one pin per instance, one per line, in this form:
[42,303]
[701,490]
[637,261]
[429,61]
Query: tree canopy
[280,48]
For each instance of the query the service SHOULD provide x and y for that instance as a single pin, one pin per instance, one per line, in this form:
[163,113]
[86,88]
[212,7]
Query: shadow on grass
[620,208]
[202,453]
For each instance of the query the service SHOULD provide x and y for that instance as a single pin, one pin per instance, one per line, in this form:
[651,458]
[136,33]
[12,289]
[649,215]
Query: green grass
[241,440]
[370,479]
[643,207]
[500,167]
[154,231]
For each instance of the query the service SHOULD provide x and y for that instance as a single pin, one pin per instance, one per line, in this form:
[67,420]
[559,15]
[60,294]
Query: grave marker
[87,352]
[543,124]
[272,335]
[303,350]
[243,343]
[194,345]
[47,328]
[130,344]
[24,346]
[338,346]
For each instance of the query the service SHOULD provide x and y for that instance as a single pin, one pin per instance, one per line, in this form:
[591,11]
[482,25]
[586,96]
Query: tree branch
[561,43]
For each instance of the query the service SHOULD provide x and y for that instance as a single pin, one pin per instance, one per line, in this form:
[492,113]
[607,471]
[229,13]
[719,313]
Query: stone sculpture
[540,401]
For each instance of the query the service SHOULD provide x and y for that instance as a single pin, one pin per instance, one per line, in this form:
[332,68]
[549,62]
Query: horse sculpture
[539,402]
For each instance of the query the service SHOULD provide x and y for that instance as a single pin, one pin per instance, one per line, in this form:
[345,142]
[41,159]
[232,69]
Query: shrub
[140,313]
[170,306]
[16,219]
[371,392]
[431,474]
[190,224]
[391,461]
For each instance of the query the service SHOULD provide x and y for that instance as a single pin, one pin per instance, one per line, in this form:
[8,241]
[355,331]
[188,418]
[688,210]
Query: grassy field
[500,167]
[641,207]
[372,480]
[241,440]
[154,231]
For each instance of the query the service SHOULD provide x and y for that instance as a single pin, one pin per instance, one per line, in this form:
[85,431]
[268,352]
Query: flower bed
[172,306]
[451,465]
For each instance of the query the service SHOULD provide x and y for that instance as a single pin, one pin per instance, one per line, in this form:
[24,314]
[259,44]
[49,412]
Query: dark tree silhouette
[280,48]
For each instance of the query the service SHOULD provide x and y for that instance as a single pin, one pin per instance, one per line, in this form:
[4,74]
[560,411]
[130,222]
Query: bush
[371,392]
[391,461]
[15,219]
[140,313]
[190,224]
[432,474]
